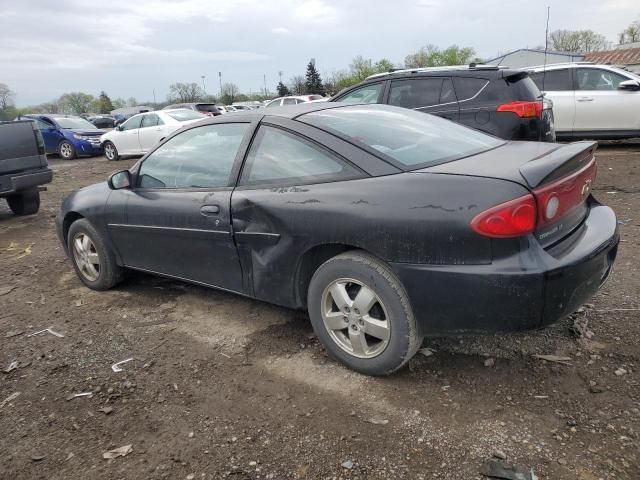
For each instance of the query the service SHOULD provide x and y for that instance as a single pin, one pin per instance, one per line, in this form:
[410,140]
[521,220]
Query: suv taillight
[522,109]
[514,218]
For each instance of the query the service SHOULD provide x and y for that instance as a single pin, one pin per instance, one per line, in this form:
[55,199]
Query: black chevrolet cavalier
[388,225]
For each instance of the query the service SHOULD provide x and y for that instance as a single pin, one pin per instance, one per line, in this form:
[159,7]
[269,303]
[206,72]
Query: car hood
[88,133]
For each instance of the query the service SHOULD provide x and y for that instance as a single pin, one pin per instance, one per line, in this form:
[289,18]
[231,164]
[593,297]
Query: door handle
[207,210]
[585,99]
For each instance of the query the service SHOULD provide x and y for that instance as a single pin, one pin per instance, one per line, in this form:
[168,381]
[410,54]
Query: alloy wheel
[86,257]
[66,150]
[110,151]
[355,318]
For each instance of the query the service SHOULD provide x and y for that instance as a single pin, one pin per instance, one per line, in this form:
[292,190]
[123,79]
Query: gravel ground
[225,387]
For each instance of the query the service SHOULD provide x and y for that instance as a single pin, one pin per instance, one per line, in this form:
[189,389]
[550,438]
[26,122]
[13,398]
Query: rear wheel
[92,260]
[110,151]
[66,150]
[25,203]
[361,314]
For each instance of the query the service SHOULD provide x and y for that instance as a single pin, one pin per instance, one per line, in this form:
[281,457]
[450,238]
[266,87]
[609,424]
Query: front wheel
[110,151]
[25,203]
[66,150]
[361,314]
[93,261]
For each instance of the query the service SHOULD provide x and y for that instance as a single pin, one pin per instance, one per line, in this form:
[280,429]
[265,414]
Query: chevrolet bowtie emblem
[586,188]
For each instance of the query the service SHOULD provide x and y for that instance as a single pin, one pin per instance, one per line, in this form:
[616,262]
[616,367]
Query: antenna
[546,47]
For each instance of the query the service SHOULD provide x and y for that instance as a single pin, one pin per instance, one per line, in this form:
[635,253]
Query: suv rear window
[467,88]
[406,138]
[508,89]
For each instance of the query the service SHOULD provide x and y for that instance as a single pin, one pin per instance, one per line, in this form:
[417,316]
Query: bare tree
[298,85]
[631,34]
[228,93]
[580,41]
[6,96]
[185,92]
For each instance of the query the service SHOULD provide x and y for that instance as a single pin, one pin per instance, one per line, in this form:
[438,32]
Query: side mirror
[119,180]
[629,85]
[119,127]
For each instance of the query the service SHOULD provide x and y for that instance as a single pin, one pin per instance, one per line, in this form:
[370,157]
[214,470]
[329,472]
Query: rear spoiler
[558,163]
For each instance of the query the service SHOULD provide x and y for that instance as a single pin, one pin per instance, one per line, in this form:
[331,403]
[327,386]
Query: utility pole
[280,75]
[220,78]
[264,77]
[154,95]
[204,90]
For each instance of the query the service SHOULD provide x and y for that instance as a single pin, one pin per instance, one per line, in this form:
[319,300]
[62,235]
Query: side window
[132,123]
[280,157]
[467,88]
[596,79]
[366,94]
[289,101]
[151,120]
[447,94]
[274,103]
[43,124]
[201,157]
[415,93]
[553,81]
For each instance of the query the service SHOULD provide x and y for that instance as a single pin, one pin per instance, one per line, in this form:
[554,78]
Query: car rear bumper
[20,181]
[534,288]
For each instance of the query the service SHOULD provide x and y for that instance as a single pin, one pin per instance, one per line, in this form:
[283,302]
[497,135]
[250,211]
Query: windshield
[184,115]
[407,138]
[74,122]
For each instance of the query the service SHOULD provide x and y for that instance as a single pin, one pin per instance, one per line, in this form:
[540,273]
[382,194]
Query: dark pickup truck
[23,166]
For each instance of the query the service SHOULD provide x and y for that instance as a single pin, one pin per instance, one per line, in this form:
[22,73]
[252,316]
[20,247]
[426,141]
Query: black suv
[505,103]
[23,166]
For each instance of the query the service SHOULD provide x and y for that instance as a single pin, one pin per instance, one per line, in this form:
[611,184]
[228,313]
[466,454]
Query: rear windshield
[407,138]
[183,115]
[206,107]
[514,87]
[315,97]
[74,122]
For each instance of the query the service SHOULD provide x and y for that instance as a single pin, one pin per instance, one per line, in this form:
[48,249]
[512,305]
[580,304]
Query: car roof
[472,70]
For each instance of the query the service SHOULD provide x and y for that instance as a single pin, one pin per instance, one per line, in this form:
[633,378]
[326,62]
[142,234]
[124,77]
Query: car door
[151,131]
[433,95]
[557,85]
[600,105]
[127,141]
[50,133]
[285,175]
[176,219]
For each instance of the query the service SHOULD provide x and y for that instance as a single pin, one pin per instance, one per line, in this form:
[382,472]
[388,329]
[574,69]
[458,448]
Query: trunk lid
[560,177]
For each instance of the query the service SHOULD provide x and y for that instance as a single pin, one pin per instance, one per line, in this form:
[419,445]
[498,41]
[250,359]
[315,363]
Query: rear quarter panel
[407,218]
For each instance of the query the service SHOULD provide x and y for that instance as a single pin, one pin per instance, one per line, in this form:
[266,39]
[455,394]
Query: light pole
[204,90]
[264,78]
[220,78]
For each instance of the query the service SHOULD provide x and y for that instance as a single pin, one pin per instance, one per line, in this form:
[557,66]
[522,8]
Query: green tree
[185,92]
[313,81]
[433,56]
[119,103]
[282,90]
[76,102]
[104,103]
[580,41]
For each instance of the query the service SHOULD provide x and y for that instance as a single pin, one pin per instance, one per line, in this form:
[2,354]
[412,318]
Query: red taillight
[558,198]
[522,109]
[510,219]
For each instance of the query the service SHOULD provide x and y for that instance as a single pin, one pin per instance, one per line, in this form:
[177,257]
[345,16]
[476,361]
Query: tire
[66,150]
[105,272]
[24,203]
[110,151]
[388,316]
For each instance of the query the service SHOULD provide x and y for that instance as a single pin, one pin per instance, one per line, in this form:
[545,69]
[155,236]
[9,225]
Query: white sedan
[142,132]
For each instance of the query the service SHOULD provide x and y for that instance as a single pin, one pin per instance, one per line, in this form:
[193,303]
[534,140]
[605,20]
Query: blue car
[68,135]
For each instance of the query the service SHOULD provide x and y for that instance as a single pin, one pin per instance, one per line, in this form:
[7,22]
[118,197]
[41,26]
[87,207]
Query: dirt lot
[225,387]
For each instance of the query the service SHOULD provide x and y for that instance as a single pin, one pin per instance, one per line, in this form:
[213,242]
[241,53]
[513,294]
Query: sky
[135,48]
